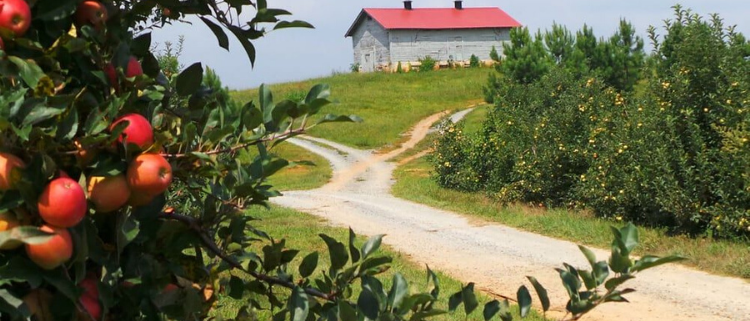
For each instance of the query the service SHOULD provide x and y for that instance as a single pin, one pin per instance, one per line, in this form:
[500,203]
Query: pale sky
[296,54]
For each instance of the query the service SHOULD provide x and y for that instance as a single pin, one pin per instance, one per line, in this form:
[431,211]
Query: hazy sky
[295,54]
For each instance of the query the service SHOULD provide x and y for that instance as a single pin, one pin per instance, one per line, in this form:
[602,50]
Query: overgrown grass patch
[389,103]
[301,232]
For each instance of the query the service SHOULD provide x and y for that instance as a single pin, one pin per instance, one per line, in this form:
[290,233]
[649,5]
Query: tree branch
[211,246]
[240,146]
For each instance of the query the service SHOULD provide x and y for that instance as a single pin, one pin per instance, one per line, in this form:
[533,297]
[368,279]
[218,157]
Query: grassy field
[414,182]
[389,103]
[309,171]
[301,231]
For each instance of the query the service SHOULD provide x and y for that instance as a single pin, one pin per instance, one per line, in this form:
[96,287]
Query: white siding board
[371,44]
[442,45]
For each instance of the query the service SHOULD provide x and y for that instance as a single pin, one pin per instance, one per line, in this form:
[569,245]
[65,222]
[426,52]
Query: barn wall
[458,44]
[371,46]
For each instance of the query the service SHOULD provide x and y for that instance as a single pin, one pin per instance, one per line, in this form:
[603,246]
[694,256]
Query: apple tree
[123,190]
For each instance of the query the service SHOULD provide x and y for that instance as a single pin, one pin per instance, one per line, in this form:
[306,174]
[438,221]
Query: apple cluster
[64,202]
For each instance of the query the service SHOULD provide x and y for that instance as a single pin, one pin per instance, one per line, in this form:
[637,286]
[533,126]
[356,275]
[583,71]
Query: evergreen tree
[525,60]
[559,42]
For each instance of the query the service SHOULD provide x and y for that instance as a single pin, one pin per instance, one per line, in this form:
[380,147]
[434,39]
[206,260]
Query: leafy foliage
[671,153]
[427,64]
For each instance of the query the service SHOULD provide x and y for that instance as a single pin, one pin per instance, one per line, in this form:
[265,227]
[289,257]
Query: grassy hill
[377,97]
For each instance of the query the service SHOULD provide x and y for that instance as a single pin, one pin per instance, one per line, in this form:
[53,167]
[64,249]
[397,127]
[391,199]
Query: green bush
[399,69]
[674,154]
[427,64]
[474,61]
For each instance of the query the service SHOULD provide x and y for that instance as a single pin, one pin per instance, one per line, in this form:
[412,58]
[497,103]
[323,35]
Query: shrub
[355,67]
[474,61]
[427,64]
[399,69]
[673,154]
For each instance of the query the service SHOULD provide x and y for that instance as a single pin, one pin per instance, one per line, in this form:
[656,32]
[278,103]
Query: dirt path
[497,258]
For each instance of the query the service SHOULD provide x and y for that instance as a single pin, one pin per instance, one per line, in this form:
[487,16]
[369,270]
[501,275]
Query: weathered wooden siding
[371,45]
[443,45]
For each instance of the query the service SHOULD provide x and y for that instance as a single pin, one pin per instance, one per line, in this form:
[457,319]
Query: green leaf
[570,282]
[629,237]
[431,276]
[140,45]
[600,272]
[368,304]
[399,289]
[68,127]
[524,301]
[619,262]
[54,10]
[292,24]
[337,251]
[490,309]
[40,113]
[298,304]
[615,282]
[308,265]
[24,234]
[588,279]
[246,44]
[219,33]
[252,117]
[455,300]
[190,79]
[650,261]
[127,230]
[319,91]
[346,311]
[469,298]
[330,118]
[589,255]
[541,292]
[372,263]
[353,251]
[28,70]
[505,314]
[372,245]
[236,287]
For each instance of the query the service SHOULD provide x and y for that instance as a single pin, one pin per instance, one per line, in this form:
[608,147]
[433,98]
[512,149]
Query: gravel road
[495,257]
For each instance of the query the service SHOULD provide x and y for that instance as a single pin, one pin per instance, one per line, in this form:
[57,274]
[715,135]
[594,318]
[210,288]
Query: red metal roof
[438,18]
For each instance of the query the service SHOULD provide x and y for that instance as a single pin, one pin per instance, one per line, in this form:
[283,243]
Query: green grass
[723,257]
[301,232]
[475,119]
[389,103]
[309,171]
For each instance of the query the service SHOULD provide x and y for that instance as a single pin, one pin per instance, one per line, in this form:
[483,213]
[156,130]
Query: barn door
[368,59]
[458,49]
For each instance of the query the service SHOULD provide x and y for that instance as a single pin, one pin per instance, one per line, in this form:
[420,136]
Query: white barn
[383,37]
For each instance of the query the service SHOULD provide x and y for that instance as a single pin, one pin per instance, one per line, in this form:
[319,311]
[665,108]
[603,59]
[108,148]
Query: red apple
[91,13]
[62,203]
[111,73]
[92,306]
[8,221]
[149,174]
[137,132]
[53,253]
[134,68]
[10,171]
[15,15]
[89,287]
[108,193]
